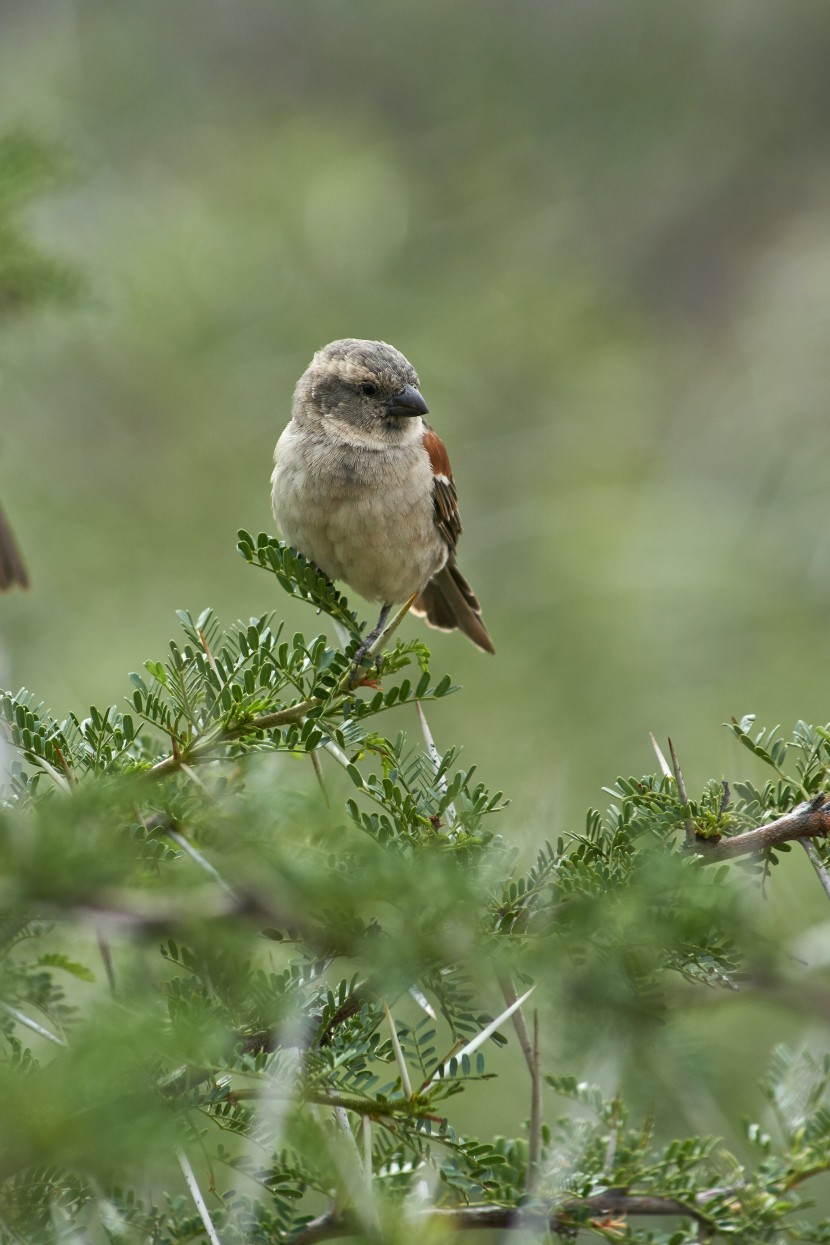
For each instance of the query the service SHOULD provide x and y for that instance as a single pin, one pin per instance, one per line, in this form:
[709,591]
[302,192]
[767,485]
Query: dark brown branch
[802,996]
[147,915]
[807,821]
[568,1214]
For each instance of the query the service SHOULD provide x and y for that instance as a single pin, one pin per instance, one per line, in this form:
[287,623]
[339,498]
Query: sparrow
[12,570]
[362,487]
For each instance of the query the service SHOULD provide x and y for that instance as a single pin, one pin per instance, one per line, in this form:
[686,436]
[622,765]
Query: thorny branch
[147,914]
[568,1214]
[202,749]
[808,820]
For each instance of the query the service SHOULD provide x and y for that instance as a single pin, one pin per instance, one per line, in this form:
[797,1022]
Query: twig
[339,1102]
[202,749]
[511,999]
[145,913]
[366,1125]
[209,655]
[535,1128]
[611,1148]
[530,1050]
[268,721]
[196,1194]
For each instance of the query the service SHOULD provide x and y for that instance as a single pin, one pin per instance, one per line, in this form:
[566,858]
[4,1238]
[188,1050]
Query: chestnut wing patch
[444,496]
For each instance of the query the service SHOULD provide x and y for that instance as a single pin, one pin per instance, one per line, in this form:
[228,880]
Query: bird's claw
[365,680]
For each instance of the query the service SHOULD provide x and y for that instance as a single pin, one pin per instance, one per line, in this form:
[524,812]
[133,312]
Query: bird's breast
[365,517]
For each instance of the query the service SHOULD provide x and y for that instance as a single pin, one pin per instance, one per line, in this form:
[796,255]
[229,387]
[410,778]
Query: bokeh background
[600,231]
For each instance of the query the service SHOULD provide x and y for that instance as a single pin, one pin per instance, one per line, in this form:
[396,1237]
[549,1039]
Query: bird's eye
[369,388]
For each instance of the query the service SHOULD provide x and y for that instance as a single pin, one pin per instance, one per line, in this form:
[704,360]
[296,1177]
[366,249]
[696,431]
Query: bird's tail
[448,602]
[12,570]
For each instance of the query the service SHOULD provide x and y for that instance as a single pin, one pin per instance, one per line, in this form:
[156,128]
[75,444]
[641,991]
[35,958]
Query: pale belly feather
[371,525]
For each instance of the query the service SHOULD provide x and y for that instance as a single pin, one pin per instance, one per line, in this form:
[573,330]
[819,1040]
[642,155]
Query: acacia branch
[568,1214]
[399,1109]
[563,1217]
[146,915]
[807,821]
[203,749]
[511,997]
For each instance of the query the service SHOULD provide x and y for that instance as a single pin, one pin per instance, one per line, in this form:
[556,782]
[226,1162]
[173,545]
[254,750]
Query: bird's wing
[444,495]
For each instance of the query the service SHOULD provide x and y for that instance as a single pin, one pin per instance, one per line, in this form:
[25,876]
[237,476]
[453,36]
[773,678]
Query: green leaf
[55,959]
[355,775]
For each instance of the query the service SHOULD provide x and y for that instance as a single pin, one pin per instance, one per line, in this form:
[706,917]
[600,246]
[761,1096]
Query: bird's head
[363,391]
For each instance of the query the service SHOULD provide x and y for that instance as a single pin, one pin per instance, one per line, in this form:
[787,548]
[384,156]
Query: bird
[12,570]
[362,487]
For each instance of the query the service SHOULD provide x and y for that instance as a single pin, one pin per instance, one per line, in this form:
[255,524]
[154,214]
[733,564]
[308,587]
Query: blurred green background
[600,232]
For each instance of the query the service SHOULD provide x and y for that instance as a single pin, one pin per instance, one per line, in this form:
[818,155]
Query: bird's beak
[407,402]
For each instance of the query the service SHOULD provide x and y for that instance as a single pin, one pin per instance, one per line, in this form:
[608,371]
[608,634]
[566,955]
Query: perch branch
[203,749]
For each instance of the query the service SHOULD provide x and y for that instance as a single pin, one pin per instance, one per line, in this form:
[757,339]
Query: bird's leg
[370,639]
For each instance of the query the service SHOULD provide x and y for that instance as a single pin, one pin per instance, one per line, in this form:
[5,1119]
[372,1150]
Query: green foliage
[27,276]
[299,577]
[210,966]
